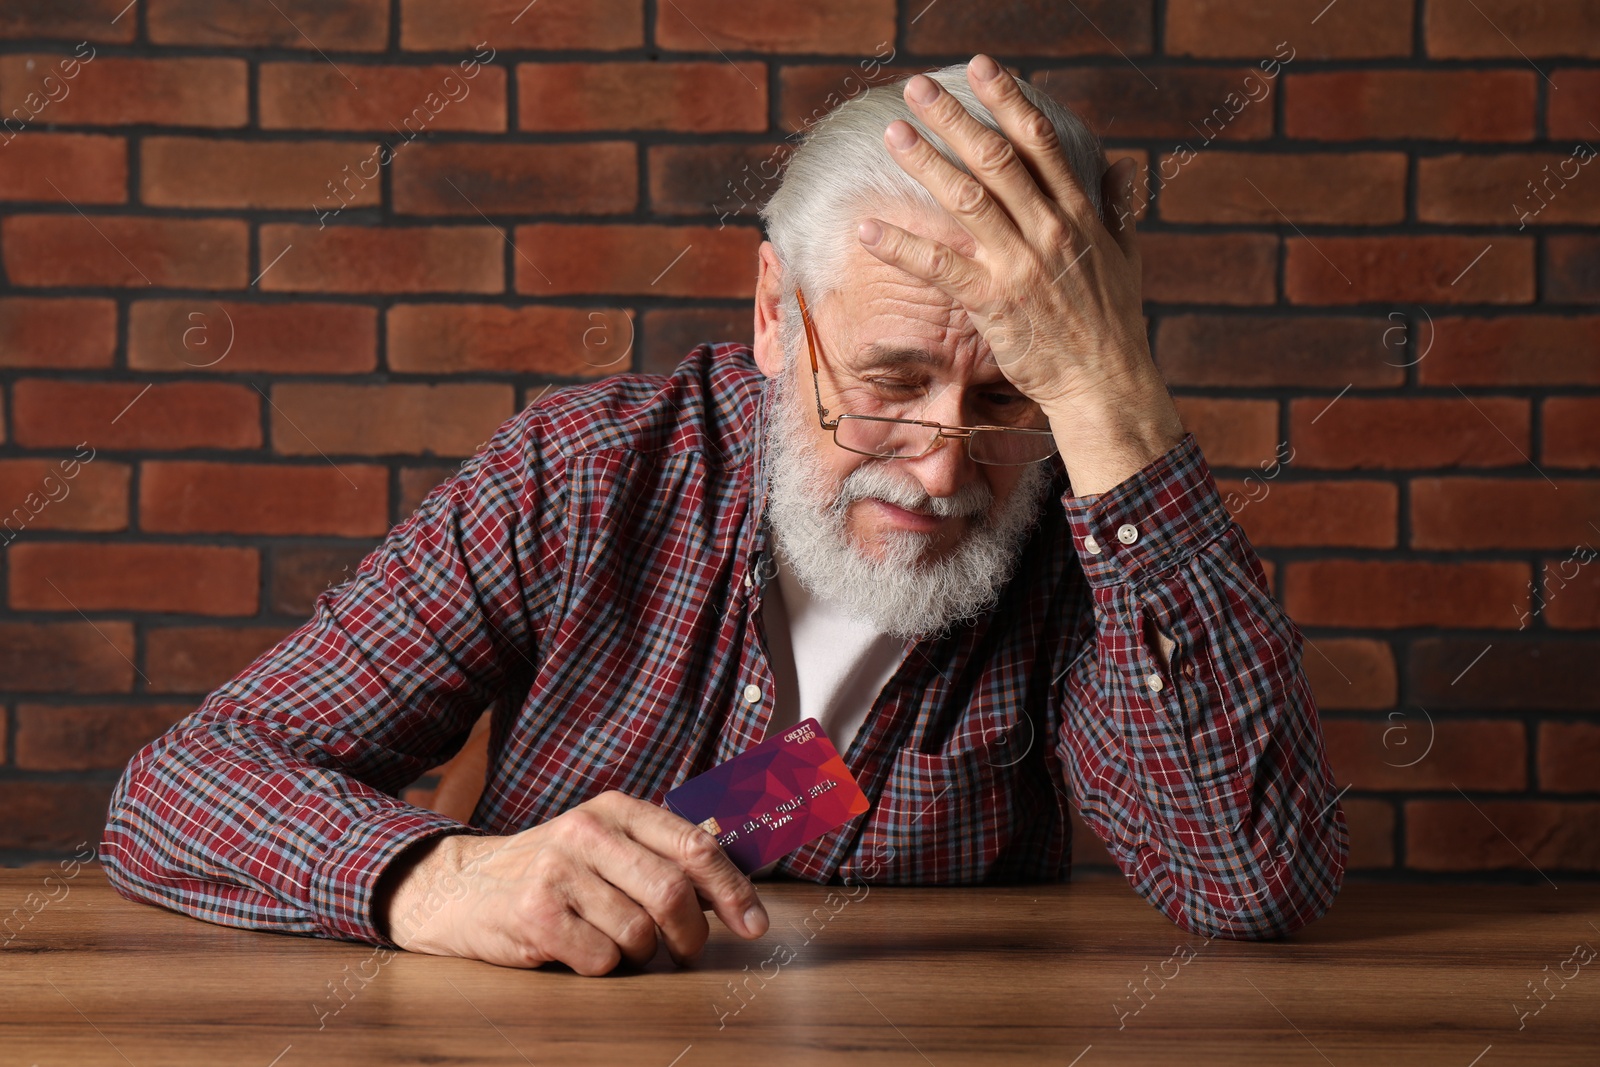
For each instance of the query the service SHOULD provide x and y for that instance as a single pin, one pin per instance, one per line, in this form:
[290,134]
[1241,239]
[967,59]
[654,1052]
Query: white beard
[899,594]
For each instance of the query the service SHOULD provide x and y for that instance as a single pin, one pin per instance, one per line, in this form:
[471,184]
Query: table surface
[1080,974]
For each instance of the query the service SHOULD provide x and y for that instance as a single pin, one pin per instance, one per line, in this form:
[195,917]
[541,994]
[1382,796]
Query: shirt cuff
[343,881]
[1152,520]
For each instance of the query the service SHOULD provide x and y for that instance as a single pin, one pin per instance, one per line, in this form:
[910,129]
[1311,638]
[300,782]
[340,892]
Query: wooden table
[1009,975]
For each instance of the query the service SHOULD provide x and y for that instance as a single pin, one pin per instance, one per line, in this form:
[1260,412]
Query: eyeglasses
[888,438]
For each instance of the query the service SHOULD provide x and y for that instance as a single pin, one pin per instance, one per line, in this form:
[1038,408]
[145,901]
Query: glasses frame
[963,433]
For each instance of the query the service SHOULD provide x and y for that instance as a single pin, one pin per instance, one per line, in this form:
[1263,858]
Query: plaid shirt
[594,576]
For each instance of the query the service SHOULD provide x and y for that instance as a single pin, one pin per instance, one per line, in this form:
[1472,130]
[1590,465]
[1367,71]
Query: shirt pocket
[944,817]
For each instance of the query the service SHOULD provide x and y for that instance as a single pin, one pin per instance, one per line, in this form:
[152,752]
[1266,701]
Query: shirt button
[752,693]
[1091,544]
[1156,683]
[747,579]
[1127,534]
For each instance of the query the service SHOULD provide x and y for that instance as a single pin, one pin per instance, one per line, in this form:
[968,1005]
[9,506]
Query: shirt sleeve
[1198,759]
[274,805]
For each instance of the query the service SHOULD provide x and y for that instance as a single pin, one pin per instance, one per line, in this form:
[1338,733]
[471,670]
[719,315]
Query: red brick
[588,178]
[416,483]
[1254,29]
[1453,835]
[1569,753]
[774,25]
[1192,104]
[698,97]
[22,20]
[1231,432]
[1203,268]
[1469,672]
[1028,27]
[1514,29]
[1495,189]
[407,101]
[124,91]
[1501,513]
[197,659]
[1571,431]
[670,334]
[394,259]
[1379,593]
[298,574]
[62,333]
[341,25]
[555,259]
[1412,432]
[350,500]
[808,91]
[67,657]
[1433,269]
[726,180]
[38,815]
[1570,588]
[1571,108]
[600,25]
[205,173]
[230,336]
[1311,352]
[1572,269]
[67,250]
[62,494]
[529,339]
[1510,350]
[1443,105]
[89,737]
[371,420]
[1343,187]
[1350,672]
[1408,750]
[193,579]
[78,168]
[51,412]
[1371,825]
[1284,514]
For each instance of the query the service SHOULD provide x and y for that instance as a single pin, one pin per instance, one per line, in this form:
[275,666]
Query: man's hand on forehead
[1054,292]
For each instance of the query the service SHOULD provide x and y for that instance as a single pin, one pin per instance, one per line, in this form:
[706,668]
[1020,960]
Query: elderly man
[945,505]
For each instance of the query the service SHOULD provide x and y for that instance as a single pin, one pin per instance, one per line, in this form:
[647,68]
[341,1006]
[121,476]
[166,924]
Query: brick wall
[251,314]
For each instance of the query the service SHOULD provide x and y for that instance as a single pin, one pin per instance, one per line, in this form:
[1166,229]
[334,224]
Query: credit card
[773,797]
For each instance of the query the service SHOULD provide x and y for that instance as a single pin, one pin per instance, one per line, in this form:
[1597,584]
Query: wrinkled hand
[1055,293]
[588,889]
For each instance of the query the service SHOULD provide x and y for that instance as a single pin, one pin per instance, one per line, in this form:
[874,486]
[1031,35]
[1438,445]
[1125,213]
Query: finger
[732,895]
[659,886]
[933,261]
[616,915]
[579,944]
[996,167]
[1031,133]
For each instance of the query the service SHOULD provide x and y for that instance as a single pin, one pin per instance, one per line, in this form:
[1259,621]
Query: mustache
[872,480]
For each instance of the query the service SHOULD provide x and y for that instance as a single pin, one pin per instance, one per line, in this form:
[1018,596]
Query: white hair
[842,171]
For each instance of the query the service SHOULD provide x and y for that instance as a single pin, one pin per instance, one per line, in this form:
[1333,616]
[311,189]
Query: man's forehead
[906,325]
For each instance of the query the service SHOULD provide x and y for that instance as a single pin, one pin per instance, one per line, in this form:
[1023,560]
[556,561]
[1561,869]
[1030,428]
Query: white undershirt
[826,665]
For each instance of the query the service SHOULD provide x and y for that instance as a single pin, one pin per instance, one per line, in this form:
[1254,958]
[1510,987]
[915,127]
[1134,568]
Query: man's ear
[769,291]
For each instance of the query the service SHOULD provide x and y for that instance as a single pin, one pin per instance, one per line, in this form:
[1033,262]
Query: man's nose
[945,467]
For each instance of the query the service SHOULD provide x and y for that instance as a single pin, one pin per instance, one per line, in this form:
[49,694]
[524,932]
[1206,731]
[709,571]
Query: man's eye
[886,385]
[1003,400]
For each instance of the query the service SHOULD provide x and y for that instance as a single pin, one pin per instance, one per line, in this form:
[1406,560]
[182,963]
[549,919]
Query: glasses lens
[999,446]
[902,440]
[887,440]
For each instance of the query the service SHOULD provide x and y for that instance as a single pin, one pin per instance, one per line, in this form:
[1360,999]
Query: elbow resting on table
[1293,886]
